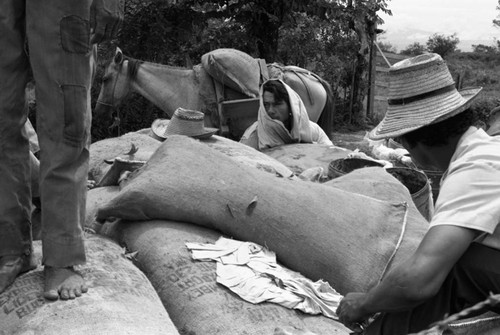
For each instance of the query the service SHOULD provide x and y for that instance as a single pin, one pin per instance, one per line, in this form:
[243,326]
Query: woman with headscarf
[282,119]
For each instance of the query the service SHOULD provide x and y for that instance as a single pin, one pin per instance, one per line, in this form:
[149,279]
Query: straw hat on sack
[183,122]
[421,92]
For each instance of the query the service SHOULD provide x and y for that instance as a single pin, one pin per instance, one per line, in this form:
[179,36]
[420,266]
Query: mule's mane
[133,66]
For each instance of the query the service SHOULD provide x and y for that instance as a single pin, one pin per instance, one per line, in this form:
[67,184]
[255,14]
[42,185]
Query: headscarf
[272,132]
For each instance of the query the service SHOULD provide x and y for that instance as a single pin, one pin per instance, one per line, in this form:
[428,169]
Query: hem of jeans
[24,250]
[61,256]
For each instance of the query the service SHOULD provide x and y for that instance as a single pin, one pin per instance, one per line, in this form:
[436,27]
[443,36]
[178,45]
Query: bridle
[116,121]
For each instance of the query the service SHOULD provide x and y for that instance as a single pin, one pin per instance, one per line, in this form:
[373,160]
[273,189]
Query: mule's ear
[118,56]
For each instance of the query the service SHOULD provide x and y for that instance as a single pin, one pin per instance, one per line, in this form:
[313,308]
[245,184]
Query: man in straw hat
[457,263]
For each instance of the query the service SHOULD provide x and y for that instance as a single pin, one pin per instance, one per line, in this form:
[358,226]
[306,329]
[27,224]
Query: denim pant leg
[470,281]
[60,53]
[15,197]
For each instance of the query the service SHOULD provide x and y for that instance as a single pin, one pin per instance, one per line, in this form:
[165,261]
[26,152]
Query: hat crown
[421,92]
[185,122]
[418,75]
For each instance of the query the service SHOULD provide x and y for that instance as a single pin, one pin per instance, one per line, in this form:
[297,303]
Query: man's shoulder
[476,147]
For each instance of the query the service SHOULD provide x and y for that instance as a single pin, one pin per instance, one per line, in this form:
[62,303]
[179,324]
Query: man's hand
[106,17]
[350,311]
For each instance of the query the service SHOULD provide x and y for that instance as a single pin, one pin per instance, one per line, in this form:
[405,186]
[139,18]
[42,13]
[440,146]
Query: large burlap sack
[377,183]
[96,197]
[188,288]
[120,300]
[110,148]
[248,156]
[233,68]
[320,231]
[302,156]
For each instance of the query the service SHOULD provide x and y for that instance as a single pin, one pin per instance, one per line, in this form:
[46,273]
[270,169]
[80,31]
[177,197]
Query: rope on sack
[403,229]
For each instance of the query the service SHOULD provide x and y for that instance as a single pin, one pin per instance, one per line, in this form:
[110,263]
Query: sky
[417,20]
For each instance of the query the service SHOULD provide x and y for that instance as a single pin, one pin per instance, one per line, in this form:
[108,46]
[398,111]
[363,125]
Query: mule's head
[114,87]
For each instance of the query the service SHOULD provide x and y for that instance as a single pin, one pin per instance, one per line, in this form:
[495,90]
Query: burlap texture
[120,300]
[248,156]
[235,69]
[96,197]
[377,183]
[110,148]
[320,231]
[188,288]
[302,156]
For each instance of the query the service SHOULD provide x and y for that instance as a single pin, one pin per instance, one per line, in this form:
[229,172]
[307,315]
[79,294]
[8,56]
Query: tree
[496,22]
[364,20]
[481,48]
[442,45]
[332,38]
[414,49]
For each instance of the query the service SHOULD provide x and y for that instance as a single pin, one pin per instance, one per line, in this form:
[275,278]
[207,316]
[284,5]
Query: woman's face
[276,110]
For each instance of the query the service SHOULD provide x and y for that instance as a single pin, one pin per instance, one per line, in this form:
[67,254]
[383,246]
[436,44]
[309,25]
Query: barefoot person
[59,35]
[457,262]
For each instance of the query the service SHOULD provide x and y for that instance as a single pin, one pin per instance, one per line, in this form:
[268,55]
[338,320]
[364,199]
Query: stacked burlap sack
[348,231]
[348,239]
[120,299]
[138,147]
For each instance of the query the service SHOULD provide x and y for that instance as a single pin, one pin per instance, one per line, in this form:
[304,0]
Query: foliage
[414,49]
[481,48]
[496,22]
[442,45]
[387,47]
[328,37]
[478,70]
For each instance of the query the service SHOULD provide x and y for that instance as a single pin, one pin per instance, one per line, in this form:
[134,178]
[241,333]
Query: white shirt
[470,189]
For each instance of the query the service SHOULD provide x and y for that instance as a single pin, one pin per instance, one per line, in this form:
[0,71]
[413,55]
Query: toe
[78,292]
[72,294]
[51,295]
[65,294]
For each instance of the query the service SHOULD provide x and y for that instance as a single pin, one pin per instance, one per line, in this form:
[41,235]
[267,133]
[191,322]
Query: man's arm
[413,281]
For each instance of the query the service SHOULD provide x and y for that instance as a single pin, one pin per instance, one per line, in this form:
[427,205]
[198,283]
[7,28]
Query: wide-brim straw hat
[421,92]
[183,122]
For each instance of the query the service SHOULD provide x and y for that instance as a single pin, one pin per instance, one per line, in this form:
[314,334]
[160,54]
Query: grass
[478,70]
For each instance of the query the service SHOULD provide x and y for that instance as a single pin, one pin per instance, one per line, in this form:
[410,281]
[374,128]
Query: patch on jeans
[76,121]
[75,34]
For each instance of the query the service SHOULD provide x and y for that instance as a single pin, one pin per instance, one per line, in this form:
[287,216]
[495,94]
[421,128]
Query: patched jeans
[56,35]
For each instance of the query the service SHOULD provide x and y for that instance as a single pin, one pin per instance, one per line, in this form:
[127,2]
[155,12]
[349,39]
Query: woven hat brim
[403,119]
[159,126]
[207,133]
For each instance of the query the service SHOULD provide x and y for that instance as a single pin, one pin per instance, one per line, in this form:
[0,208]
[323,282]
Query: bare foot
[65,283]
[13,266]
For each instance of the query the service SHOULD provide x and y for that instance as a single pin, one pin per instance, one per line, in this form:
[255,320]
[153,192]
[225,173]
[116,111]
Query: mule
[169,87]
